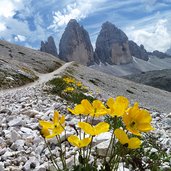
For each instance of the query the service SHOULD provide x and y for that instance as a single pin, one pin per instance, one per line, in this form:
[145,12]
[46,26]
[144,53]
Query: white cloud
[78,10]
[2,27]
[7,8]
[20,38]
[155,37]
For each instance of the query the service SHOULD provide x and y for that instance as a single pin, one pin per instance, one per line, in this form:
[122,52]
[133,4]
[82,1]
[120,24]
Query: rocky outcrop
[112,46]
[75,44]
[49,46]
[138,51]
[159,54]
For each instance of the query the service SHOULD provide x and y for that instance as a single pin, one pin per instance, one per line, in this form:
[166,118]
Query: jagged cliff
[138,51]
[112,46]
[49,46]
[75,44]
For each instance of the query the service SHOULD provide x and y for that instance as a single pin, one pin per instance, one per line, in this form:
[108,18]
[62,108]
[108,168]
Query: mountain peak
[112,45]
[138,51]
[75,44]
[49,46]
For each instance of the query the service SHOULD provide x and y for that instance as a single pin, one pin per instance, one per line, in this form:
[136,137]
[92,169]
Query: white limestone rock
[16,122]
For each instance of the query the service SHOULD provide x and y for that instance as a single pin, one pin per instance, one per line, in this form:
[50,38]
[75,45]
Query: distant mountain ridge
[160,79]
[112,46]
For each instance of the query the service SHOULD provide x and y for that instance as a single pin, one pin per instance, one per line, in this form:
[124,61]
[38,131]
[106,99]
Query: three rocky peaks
[112,46]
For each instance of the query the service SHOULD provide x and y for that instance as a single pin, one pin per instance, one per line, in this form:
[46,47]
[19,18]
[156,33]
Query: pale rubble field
[21,145]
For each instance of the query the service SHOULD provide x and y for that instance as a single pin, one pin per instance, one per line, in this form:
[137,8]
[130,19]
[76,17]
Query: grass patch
[70,89]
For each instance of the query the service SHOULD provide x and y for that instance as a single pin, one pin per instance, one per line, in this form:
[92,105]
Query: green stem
[80,133]
[90,149]
[62,154]
[65,137]
[51,156]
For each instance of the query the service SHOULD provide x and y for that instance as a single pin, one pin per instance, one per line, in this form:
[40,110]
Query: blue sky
[27,22]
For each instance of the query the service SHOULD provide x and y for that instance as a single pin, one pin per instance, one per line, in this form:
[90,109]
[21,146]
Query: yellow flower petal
[79,109]
[110,102]
[145,127]
[118,106]
[56,117]
[75,141]
[46,124]
[58,130]
[86,127]
[134,143]
[137,120]
[144,117]
[86,104]
[101,128]
[121,136]
[134,131]
[44,132]
[97,104]
[85,142]
[62,120]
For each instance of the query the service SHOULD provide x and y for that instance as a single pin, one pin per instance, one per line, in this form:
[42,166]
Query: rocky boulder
[49,46]
[112,46]
[138,51]
[75,44]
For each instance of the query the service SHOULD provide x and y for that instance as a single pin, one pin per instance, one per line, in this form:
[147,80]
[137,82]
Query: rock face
[159,54]
[75,44]
[138,51]
[49,46]
[112,46]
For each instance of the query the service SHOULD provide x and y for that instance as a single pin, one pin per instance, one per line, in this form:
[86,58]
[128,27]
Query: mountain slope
[136,67]
[111,86]
[159,79]
[20,65]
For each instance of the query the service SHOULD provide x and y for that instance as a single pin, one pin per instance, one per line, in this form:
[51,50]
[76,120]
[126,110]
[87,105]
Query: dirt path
[42,79]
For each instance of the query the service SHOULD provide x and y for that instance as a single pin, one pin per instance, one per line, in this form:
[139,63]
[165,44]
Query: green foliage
[113,123]
[75,96]
[58,85]
[135,158]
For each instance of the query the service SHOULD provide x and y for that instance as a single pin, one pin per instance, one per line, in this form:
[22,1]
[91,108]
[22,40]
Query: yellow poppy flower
[69,89]
[96,109]
[94,130]
[132,143]
[75,141]
[44,132]
[79,109]
[69,80]
[137,120]
[118,106]
[55,127]
[78,84]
